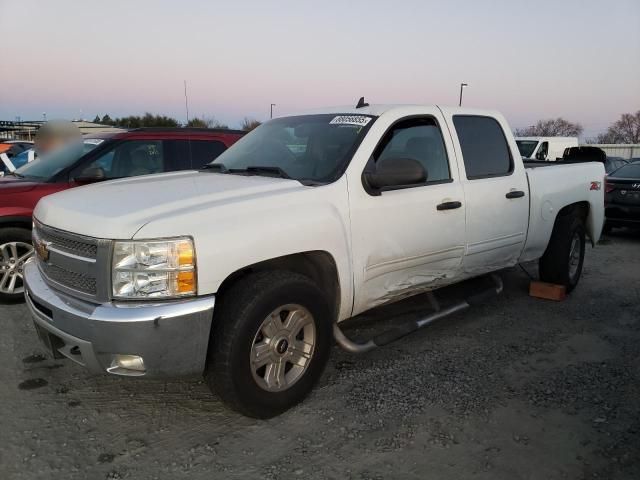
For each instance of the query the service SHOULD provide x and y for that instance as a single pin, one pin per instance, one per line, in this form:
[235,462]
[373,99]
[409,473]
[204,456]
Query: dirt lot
[515,389]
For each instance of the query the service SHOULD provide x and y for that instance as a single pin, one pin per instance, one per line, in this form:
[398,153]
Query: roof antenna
[362,103]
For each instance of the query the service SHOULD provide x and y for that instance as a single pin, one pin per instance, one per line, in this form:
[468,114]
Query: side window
[420,139]
[129,159]
[193,154]
[484,146]
[543,151]
[205,151]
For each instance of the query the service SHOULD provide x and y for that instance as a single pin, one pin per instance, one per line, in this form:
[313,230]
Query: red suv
[142,151]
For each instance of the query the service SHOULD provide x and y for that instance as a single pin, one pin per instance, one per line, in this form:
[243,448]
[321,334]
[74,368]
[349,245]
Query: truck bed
[550,189]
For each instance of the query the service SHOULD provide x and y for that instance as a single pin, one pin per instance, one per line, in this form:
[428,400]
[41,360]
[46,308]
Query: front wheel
[563,259]
[15,250]
[270,343]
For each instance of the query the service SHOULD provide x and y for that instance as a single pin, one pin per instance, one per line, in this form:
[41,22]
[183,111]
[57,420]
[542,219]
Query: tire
[251,321]
[563,259]
[15,249]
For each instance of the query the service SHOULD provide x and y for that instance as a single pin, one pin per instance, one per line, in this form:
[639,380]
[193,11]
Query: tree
[625,130]
[97,119]
[147,120]
[553,127]
[249,124]
[206,122]
[106,120]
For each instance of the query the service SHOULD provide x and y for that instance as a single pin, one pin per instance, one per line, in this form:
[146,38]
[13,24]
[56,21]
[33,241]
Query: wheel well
[579,209]
[319,266]
[16,222]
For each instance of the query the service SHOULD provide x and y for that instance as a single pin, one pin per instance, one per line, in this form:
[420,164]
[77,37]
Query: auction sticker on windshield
[359,120]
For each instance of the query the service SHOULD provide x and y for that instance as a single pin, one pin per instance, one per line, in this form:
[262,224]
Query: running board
[399,332]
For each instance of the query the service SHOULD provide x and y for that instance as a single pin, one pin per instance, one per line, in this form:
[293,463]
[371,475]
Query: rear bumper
[171,337]
[622,215]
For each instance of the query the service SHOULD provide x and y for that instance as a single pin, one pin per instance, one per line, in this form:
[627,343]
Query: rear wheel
[563,259]
[270,343]
[15,250]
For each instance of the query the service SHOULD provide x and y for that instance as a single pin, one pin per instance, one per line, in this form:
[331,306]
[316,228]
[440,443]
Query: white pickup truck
[243,271]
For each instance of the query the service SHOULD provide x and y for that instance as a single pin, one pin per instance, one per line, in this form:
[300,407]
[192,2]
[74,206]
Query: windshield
[526,147]
[46,166]
[313,148]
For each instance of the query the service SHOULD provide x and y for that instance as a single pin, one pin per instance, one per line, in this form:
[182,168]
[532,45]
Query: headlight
[154,269]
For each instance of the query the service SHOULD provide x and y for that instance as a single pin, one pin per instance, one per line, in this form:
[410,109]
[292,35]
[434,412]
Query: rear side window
[484,146]
[195,154]
[205,151]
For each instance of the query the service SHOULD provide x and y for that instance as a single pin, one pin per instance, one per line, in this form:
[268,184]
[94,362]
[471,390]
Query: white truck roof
[379,109]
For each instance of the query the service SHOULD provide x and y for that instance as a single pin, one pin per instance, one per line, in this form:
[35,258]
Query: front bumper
[171,337]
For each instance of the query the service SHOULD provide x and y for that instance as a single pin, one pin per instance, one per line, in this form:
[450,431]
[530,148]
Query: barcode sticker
[359,120]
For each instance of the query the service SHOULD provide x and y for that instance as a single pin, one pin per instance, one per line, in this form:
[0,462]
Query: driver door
[412,238]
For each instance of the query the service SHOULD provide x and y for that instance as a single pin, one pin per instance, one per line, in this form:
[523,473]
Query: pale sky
[529,59]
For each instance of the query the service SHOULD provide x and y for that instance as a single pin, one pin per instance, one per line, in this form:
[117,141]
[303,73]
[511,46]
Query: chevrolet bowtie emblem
[42,249]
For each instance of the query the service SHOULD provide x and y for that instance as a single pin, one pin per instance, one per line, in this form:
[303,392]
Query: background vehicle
[103,157]
[14,147]
[622,197]
[544,148]
[13,153]
[243,270]
[614,163]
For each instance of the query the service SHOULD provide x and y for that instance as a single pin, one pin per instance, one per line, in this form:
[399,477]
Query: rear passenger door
[195,154]
[496,193]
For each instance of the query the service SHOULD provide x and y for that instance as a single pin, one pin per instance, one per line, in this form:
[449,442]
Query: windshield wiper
[216,167]
[252,170]
[262,170]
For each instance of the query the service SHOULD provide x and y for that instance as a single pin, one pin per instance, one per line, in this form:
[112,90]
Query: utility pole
[186,101]
[271,114]
[462,85]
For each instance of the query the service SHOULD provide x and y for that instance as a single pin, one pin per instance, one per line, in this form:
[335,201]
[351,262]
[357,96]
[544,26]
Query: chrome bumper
[171,337]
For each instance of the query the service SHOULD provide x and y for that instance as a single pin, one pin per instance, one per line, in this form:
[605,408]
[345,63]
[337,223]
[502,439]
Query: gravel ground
[518,388]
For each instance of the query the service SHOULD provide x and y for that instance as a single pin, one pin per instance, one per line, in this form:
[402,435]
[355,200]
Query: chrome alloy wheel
[575,252]
[283,347]
[13,255]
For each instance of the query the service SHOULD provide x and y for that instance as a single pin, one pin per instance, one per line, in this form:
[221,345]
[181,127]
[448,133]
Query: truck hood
[118,209]
[11,184]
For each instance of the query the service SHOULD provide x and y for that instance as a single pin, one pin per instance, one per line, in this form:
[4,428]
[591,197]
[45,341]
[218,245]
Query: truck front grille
[75,247]
[73,263]
[73,280]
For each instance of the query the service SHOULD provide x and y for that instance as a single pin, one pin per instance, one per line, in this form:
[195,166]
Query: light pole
[271,114]
[462,85]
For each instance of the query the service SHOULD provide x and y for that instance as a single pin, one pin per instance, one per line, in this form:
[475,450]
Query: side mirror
[395,172]
[90,175]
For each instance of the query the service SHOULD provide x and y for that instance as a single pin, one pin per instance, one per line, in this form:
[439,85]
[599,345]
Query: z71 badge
[596,185]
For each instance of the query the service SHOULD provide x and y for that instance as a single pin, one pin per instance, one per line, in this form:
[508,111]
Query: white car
[544,148]
[244,271]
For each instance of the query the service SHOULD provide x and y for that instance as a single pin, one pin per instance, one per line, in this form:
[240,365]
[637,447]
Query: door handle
[449,205]
[515,194]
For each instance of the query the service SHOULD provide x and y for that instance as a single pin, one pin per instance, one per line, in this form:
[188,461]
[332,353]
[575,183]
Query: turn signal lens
[185,254]
[186,282]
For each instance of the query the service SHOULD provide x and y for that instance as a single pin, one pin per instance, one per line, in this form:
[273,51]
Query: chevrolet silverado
[243,271]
